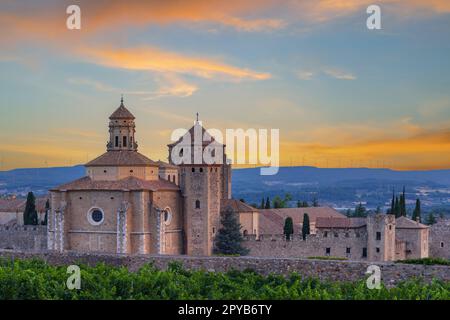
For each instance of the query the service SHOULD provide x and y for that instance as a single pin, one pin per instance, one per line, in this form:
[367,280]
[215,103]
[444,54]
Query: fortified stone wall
[23,238]
[345,244]
[391,273]
[440,239]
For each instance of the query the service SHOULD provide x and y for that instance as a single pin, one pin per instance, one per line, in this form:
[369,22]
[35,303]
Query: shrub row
[35,279]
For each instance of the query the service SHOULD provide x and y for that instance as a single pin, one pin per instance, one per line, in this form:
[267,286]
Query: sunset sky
[341,95]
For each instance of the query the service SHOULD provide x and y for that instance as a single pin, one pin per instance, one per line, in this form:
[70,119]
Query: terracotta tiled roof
[271,221]
[163,164]
[204,136]
[405,223]
[11,205]
[18,205]
[121,113]
[130,183]
[235,205]
[340,223]
[121,158]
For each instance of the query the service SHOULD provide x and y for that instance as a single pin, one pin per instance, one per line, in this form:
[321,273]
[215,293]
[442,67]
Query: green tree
[416,213]
[305,204]
[229,238]
[262,203]
[430,219]
[403,203]
[349,213]
[278,202]
[360,211]
[397,208]
[315,202]
[299,204]
[288,229]
[47,209]
[305,228]
[30,214]
[267,206]
[392,210]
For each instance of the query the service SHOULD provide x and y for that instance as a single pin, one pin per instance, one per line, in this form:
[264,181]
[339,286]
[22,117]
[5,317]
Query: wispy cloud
[305,75]
[168,85]
[335,73]
[339,74]
[172,85]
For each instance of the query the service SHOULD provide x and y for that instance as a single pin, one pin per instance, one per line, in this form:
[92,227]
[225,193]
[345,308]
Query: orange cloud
[47,19]
[154,59]
[427,150]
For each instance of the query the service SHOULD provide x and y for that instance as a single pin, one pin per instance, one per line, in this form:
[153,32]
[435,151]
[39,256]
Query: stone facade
[440,239]
[203,185]
[23,238]
[332,270]
[344,244]
[375,238]
[130,204]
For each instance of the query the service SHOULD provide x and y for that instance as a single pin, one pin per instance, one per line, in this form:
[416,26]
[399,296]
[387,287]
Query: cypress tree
[403,203]
[416,213]
[392,211]
[229,239]
[47,208]
[267,206]
[30,213]
[430,219]
[299,204]
[288,229]
[305,204]
[397,208]
[305,227]
[262,203]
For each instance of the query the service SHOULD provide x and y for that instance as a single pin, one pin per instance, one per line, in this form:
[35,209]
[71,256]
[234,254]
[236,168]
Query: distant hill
[336,187]
[333,175]
[343,188]
[38,180]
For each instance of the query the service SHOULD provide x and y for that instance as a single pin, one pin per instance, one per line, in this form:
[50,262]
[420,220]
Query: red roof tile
[18,205]
[340,223]
[406,223]
[121,113]
[121,158]
[235,205]
[130,183]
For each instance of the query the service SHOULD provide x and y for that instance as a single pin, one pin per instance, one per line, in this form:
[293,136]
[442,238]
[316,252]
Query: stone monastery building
[130,204]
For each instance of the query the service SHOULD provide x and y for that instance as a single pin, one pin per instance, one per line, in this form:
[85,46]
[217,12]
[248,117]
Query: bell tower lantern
[121,130]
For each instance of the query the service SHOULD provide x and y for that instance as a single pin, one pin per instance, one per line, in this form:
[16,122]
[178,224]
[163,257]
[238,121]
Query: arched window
[245,232]
[193,169]
[116,143]
[201,169]
[197,204]
[124,141]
